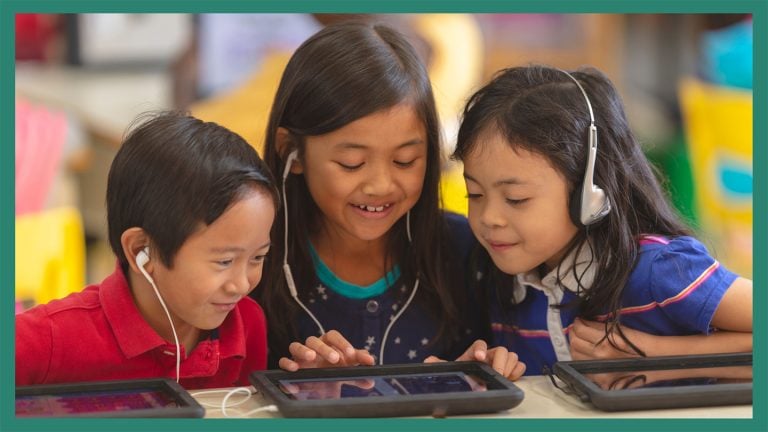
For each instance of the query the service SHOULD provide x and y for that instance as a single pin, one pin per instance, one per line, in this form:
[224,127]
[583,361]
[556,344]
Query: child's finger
[341,344]
[322,349]
[433,359]
[517,371]
[301,352]
[498,359]
[512,361]
[580,349]
[363,357]
[288,365]
[479,350]
[476,351]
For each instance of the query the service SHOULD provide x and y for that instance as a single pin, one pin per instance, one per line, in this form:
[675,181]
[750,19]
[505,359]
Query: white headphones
[588,203]
[289,276]
[142,258]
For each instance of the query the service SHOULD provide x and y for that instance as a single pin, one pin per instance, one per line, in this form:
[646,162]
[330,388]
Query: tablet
[660,382]
[425,389]
[158,397]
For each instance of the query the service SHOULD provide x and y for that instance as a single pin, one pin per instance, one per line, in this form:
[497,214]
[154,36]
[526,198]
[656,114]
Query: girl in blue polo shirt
[362,256]
[583,255]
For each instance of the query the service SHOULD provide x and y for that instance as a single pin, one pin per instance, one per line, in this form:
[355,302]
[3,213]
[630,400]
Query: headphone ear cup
[574,205]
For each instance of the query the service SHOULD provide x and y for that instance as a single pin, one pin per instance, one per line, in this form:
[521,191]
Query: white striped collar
[585,268]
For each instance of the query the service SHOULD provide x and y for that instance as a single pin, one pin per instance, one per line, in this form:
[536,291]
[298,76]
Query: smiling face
[518,205]
[216,267]
[366,175]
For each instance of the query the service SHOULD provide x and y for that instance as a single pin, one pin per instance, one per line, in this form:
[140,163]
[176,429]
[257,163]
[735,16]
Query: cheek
[413,182]
[254,276]
[552,233]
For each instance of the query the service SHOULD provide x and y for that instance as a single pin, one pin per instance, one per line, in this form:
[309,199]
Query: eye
[349,167]
[405,164]
[225,263]
[474,196]
[516,202]
[258,258]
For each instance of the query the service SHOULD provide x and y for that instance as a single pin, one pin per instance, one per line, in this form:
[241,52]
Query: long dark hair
[342,73]
[540,109]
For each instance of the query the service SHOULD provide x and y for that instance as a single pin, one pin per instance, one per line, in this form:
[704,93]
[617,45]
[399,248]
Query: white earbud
[142,258]
[288,163]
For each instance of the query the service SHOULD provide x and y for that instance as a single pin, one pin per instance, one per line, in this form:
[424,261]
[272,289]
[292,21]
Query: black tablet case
[188,406]
[572,373]
[501,395]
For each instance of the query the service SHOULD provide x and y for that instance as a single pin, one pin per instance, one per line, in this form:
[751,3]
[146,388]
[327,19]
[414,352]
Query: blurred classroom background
[81,79]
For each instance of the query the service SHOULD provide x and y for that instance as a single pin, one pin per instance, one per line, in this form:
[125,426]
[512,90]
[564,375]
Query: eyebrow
[358,146]
[503,182]
[237,248]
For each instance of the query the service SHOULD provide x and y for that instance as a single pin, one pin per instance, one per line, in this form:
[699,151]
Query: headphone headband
[589,203]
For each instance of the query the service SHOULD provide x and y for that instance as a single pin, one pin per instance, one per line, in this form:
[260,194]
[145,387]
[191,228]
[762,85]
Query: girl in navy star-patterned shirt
[362,255]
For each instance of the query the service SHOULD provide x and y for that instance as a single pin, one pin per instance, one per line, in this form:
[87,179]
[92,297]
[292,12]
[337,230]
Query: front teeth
[372,208]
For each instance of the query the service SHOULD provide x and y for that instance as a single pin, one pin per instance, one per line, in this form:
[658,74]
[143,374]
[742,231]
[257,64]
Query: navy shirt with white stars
[362,314]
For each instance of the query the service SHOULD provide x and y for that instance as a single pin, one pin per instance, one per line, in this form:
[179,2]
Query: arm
[586,342]
[33,348]
[734,312]
[733,316]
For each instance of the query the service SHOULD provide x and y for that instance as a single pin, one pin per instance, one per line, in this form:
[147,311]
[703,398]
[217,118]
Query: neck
[153,313]
[360,262]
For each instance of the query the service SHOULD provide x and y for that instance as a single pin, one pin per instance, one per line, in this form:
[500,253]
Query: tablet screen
[372,386]
[92,401]
[631,379]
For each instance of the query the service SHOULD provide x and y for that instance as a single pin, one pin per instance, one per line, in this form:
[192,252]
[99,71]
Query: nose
[244,281]
[489,214]
[379,180]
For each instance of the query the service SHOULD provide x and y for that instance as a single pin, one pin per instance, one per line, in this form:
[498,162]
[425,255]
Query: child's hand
[330,349]
[587,341]
[501,360]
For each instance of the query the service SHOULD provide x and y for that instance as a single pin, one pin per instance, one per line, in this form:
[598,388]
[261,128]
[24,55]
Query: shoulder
[664,251]
[76,303]
[251,312]
[40,330]
[678,263]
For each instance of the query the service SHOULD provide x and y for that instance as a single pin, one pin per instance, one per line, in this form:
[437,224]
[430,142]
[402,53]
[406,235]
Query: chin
[510,268]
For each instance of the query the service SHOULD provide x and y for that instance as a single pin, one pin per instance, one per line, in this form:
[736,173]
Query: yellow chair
[50,255]
[718,126]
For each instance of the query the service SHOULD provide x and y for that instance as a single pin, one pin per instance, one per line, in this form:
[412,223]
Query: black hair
[174,172]
[540,109]
[343,73]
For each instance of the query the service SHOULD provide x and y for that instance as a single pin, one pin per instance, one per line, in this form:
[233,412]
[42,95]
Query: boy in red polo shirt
[189,206]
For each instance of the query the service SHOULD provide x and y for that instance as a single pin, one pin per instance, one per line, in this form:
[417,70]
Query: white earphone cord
[223,406]
[286,267]
[289,276]
[168,314]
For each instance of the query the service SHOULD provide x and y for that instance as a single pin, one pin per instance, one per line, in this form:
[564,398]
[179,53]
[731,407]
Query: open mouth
[372,209]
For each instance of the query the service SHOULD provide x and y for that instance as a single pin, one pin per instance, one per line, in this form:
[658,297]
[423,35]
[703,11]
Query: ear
[285,144]
[133,241]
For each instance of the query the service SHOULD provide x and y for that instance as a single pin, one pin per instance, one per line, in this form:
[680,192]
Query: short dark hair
[174,172]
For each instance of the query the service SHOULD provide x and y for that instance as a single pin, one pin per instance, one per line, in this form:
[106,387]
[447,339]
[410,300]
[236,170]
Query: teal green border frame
[759,9]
